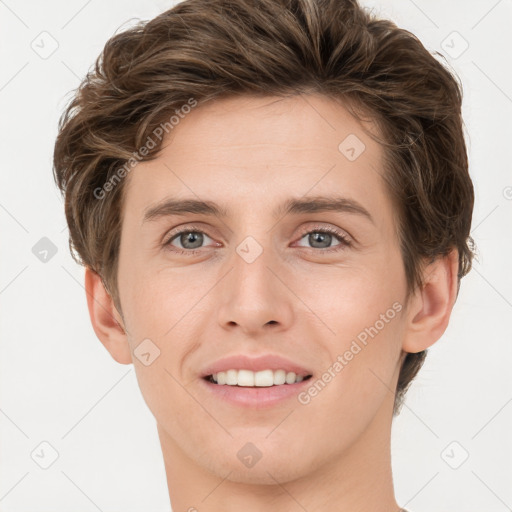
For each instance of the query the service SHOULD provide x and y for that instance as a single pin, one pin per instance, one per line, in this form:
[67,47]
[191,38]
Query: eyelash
[344,241]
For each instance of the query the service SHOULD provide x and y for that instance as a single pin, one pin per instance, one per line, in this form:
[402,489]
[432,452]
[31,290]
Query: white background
[57,382]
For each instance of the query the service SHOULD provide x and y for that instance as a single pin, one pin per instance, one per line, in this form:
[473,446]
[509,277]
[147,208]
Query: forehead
[258,150]
[296,122]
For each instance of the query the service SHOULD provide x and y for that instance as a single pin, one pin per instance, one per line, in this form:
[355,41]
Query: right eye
[190,240]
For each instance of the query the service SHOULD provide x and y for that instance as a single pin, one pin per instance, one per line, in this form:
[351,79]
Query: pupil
[191,237]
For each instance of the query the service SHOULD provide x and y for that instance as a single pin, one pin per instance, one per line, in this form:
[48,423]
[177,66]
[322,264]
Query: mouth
[262,382]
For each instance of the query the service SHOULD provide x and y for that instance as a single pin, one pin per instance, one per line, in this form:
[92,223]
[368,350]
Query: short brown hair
[209,49]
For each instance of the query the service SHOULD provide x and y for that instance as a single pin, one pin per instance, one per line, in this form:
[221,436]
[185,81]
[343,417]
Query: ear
[106,320]
[430,308]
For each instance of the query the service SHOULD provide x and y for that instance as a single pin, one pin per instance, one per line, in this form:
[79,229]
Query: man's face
[261,281]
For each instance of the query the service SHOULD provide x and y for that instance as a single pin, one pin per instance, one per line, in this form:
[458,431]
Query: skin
[249,155]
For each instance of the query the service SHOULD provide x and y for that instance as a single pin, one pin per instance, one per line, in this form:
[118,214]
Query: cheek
[156,299]
[363,310]
[351,300]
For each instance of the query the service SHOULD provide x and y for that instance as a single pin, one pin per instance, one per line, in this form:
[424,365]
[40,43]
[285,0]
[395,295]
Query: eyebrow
[292,206]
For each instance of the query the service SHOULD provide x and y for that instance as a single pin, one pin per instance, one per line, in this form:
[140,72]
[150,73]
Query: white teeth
[264,378]
[248,378]
[290,378]
[232,377]
[279,377]
[245,378]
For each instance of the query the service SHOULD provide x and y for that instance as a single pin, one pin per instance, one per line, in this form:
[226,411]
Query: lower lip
[256,397]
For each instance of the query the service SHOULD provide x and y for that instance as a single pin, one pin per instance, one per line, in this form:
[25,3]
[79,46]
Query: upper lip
[259,363]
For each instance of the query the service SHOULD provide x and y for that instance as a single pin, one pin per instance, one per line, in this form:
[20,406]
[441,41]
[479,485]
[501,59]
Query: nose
[254,296]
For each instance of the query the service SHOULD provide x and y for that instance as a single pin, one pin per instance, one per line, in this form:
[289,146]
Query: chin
[260,461]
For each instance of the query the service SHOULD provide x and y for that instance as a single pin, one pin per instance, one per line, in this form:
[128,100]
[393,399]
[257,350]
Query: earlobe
[430,308]
[106,320]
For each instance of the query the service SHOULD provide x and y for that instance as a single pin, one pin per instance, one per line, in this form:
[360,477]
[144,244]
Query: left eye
[324,237]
